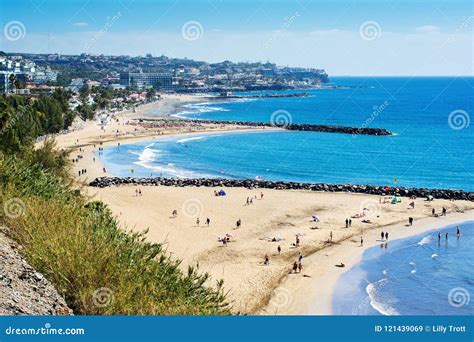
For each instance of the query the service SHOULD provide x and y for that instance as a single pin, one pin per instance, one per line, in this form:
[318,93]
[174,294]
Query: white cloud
[428,29]
[80,24]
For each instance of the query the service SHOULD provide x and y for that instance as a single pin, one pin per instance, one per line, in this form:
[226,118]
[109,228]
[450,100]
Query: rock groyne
[266,184]
[290,127]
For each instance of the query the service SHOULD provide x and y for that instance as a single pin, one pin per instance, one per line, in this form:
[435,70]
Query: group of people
[443,212]
[348,223]
[250,199]
[298,265]
[208,221]
[384,236]
[138,192]
[458,234]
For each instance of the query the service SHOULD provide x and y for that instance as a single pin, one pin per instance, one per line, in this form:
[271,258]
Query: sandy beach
[282,216]
[292,297]
[125,127]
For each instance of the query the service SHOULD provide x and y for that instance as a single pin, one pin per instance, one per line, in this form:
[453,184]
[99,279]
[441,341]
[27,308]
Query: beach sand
[125,127]
[280,214]
[253,287]
[297,295]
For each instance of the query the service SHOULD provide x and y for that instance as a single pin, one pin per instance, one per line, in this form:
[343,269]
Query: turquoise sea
[433,145]
[413,276]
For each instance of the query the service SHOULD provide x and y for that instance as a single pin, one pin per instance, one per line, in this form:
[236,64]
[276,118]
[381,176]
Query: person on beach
[300,267]
[248,201]
[208,221]
[361,241]
[443,212]
[261,195]
[295,267]
[350,223]
[139,192]
[386,236]
[297,240]
[136,192]
[347,223]
[238,223]
[267,260]
[279,249]
[300,257]
[458,232]
[410,221]
[174,213]
[330,236]
[197,221]
[382,234]
[433,212]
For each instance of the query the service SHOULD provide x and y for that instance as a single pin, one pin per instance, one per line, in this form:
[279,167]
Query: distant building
[76,85]
[157,80]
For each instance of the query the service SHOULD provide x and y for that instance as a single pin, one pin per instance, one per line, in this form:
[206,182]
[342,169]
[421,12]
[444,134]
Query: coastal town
[166,160]
[37,72]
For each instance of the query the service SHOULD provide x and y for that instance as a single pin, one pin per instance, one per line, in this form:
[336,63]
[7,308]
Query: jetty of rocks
[267,184]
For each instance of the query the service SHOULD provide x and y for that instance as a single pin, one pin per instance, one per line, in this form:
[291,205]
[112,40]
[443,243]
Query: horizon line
[154,56]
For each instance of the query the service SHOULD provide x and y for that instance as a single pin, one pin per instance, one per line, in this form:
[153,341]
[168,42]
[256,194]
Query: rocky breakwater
[260,96]
[336,129]
[291,127]
[264,184]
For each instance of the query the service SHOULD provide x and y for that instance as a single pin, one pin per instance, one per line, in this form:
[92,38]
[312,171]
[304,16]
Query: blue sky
[344,37]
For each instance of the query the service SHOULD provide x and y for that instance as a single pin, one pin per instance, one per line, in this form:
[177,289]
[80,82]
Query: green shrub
[95,265]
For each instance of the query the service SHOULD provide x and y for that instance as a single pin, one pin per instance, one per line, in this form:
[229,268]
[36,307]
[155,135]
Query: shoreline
[319,300]
[283,213]
[124,127]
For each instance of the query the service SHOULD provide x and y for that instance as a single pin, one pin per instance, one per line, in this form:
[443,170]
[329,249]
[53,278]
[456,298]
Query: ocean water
[413,276]
[433,145]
